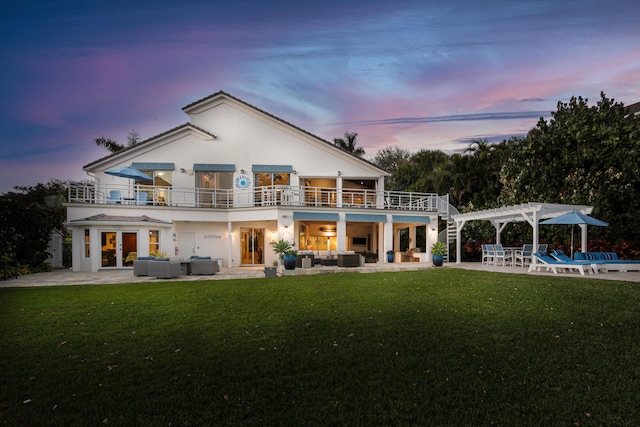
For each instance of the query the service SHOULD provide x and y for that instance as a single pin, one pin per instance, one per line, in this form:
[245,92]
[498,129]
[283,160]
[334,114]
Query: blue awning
[315,216]
[365,218]
[214,167]
[412,219]
[153,166]
[272,168]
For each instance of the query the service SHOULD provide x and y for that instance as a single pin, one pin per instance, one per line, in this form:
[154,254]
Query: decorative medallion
[243,181]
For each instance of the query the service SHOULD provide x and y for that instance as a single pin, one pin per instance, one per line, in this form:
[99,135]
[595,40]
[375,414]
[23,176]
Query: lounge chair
[523,256]
[542,247]
[548,263]
[141,198]
[141,266]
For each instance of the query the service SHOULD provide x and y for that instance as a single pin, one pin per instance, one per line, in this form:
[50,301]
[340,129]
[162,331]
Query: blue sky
[414,74]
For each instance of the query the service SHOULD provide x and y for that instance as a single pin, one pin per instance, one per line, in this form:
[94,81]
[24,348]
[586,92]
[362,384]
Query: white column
[341,233]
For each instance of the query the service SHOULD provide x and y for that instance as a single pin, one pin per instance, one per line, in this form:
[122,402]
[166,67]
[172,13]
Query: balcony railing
[275,195]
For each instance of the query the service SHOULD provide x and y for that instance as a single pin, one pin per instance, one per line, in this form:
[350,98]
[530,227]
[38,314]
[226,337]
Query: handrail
[274,195]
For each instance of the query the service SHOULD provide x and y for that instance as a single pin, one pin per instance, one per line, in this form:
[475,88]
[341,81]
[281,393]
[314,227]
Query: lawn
[436,347]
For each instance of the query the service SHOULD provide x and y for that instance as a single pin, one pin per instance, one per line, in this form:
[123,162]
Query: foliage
[284,247]
[348,143]
[27,217]
[584,155]
[109,144]
[347,349]
[160,253]
[390,159]
[438,248]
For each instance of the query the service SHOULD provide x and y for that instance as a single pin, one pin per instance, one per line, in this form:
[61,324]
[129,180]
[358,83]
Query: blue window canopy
[213,167]
[412,219]
[272,168]
[153,166]
[365,218]
[315,216]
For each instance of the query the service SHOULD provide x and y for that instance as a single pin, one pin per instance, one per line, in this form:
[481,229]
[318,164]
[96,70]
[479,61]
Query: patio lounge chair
[523,256]
[141,266]
[548,263]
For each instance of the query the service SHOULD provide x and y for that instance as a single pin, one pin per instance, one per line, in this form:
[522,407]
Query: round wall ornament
[243,181]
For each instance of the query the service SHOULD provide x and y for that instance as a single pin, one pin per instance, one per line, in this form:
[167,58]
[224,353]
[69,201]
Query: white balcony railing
[282,195]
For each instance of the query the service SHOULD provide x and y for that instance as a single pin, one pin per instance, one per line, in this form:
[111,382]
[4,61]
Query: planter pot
[437,260]
[289,262]
[391,257]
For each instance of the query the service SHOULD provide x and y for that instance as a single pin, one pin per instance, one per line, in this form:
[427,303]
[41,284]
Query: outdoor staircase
[445,211]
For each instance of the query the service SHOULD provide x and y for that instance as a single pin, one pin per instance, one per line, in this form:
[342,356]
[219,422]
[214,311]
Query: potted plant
[286,253]
[390,256]
[290,258]
[438,250]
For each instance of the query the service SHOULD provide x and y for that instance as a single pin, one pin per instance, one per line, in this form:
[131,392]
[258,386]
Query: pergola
[531,212]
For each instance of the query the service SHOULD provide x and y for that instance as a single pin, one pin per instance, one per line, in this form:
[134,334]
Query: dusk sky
[413,74]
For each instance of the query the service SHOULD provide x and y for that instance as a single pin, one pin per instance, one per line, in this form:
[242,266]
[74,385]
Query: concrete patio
[66,277]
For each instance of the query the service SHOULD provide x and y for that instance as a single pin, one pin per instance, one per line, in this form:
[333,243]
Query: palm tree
[348,143]
[111,145]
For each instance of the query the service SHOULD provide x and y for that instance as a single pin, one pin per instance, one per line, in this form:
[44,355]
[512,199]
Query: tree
[585,155]
[390,159]
[27,217]
[348,143]
[111,145]
[133,138]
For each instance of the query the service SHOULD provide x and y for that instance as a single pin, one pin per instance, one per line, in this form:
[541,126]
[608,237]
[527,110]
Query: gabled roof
[184,126]
[221,94]
[117,220]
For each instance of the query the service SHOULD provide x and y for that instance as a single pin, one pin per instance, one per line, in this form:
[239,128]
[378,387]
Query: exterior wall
[244,137]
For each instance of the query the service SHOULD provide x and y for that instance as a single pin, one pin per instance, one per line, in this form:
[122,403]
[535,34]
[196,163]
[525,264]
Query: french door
[119,248]
[252,241]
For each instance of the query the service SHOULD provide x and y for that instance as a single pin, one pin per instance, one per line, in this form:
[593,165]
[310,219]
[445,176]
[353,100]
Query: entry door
[252,246]
[118,248]
[186,245]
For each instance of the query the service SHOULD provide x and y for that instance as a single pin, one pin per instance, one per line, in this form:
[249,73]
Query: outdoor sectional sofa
[164,268]
[608,261]
[204,265]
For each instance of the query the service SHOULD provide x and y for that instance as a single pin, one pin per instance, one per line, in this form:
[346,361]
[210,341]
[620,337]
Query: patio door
[252,241]
[118,248]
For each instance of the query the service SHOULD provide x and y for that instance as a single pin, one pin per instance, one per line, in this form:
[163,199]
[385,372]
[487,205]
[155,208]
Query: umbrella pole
[572,226]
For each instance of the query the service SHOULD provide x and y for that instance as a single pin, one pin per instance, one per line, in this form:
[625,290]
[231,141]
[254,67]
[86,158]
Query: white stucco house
[229,183]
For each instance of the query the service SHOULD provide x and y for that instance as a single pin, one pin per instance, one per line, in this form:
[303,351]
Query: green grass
[436,347]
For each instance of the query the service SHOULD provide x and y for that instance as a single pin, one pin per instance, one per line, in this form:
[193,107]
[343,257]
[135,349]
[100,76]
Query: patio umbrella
[573,218]
[129,172]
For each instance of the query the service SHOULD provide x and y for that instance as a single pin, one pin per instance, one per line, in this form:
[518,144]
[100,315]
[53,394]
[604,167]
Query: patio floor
[67,277]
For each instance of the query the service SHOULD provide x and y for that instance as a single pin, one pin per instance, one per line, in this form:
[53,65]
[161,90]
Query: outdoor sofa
[164,268]
[204,265]
[141,266]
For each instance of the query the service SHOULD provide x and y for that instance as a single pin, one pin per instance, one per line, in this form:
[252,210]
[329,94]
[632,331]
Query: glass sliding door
[252,242]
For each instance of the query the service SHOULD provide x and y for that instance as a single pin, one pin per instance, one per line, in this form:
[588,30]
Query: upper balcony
[275,195]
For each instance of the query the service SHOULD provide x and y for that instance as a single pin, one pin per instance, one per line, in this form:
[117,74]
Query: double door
[118,248]
[252,240]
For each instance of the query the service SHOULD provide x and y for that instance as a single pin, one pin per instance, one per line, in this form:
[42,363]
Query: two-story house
[229,183]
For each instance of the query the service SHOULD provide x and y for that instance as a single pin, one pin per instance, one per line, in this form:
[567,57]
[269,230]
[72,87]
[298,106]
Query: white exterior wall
[244,137]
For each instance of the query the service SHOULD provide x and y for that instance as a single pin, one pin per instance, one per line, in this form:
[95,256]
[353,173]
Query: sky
[420,74]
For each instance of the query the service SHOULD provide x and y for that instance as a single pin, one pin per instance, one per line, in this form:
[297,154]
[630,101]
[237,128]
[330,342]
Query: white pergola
[531,212]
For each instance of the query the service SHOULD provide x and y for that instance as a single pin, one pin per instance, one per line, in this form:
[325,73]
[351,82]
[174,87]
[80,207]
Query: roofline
[223,94]
[149,140]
